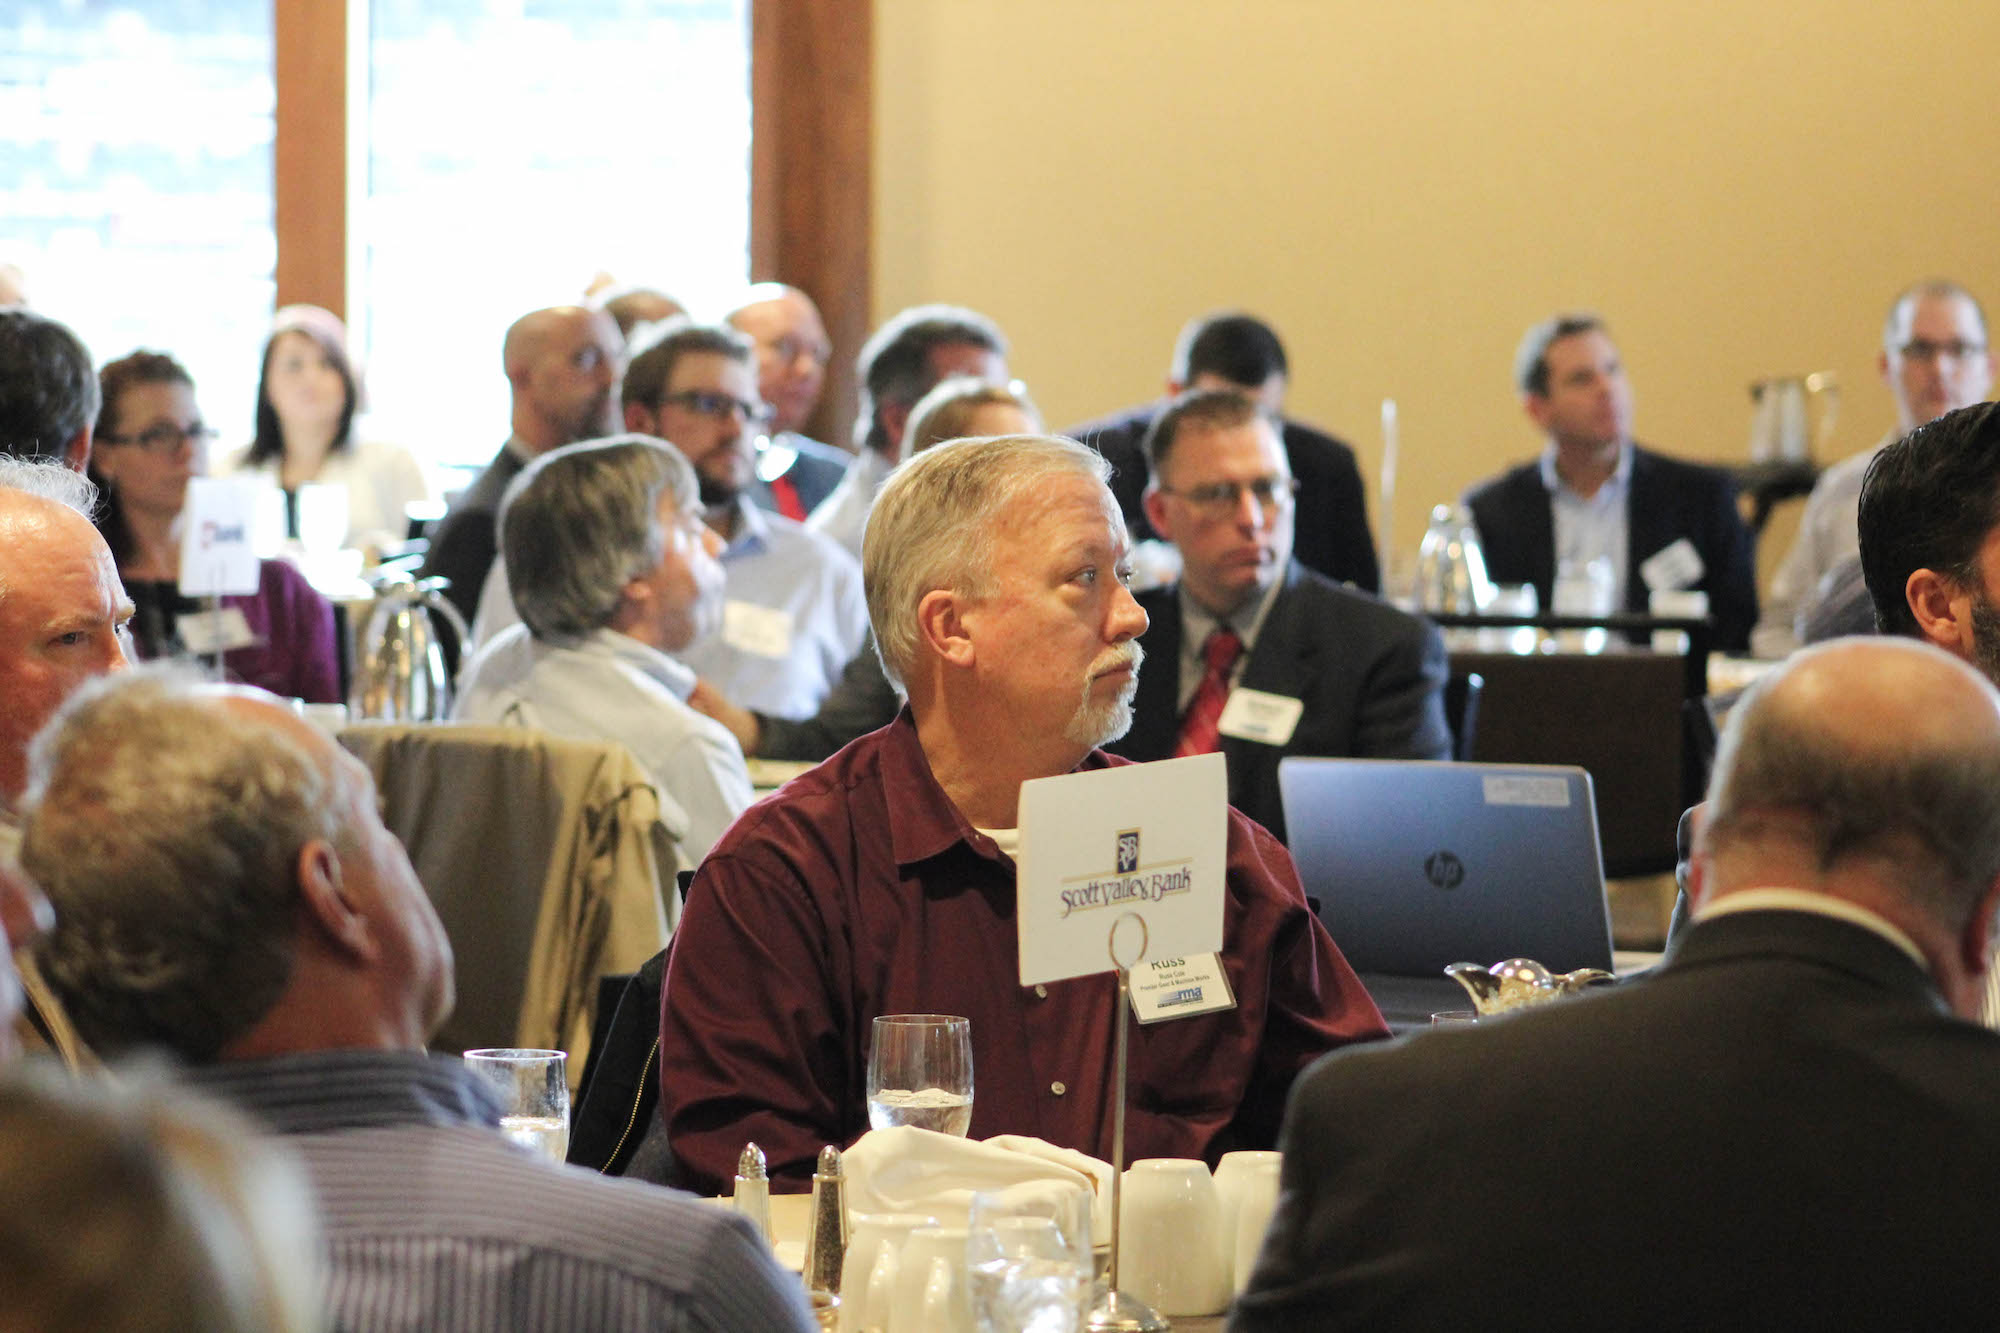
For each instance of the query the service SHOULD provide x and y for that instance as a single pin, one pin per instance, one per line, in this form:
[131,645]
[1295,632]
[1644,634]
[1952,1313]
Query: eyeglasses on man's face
[1218,499]
[1926,351]
[708,403]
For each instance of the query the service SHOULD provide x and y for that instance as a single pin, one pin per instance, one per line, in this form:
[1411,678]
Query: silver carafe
[1451,567]
[399,671]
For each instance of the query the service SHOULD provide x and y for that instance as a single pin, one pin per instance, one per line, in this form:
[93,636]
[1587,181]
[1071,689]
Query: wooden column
[309,163]
[810,153]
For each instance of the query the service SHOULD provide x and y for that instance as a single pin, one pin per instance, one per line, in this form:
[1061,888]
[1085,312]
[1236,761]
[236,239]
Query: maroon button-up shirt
[859,889]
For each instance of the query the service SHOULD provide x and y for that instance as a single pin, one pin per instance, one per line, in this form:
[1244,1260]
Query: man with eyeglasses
[1595,495]
[562,366]
[793,614]
[794,471]
[1312,667]
[1934,359]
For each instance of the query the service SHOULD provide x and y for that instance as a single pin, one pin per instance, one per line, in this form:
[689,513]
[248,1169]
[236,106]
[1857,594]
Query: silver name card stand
[1114,1311]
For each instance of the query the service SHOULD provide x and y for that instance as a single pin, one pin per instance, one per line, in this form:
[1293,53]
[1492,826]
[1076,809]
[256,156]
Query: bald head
[563,365]
[1868,769]
[792,349]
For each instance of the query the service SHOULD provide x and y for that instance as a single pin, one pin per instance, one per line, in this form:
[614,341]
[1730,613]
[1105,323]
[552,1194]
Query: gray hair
[1941,289]
[582,521]
[1934,810]
[194,1219]
[50,480]
[933,526]
[166,832]
[48,388]
[894,365]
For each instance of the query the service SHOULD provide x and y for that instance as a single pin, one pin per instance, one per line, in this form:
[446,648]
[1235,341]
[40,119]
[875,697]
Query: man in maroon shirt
[883,881]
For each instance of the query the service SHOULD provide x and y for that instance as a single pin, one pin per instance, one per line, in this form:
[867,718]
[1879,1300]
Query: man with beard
[883,881]
[793,614]
[562,365]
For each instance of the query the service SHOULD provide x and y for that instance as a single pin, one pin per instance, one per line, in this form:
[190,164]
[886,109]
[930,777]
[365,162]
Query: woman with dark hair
[150,442]
[307,396]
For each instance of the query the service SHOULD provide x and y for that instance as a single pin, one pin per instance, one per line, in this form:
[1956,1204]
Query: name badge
[1673,566]
[206,633]
[1180,988]
[757,630]
[1253,715]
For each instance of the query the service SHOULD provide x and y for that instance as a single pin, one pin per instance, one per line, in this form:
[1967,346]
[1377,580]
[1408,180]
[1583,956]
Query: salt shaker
[753,1190]
[826,1238]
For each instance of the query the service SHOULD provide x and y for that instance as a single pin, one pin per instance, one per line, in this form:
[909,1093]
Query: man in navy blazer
[1787,1124]
[1660,524]
[1322,669]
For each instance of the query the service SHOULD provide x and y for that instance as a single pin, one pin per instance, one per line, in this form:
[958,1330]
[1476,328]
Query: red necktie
[1199,724]
[787,496]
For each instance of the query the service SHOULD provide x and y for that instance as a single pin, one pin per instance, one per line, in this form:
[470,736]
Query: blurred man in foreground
[883,881]
[226,891]
[1788,1124]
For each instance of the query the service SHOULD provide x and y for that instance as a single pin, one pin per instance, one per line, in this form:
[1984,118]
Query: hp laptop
[1416,865]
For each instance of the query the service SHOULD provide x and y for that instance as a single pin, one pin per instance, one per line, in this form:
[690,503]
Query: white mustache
[1126,654]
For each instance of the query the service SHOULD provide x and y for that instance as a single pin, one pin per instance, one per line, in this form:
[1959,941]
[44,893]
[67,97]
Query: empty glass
[534,1097]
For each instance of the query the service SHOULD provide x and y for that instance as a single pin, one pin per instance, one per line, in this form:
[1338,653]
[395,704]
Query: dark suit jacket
[465,542]
[814,471]
[1332,531]
[1669,499]
[1780,1127]
[1371,679]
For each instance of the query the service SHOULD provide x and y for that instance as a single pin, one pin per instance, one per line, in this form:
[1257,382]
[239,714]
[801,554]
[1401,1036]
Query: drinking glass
[920,1073]
[1028,1259]
[534,1097]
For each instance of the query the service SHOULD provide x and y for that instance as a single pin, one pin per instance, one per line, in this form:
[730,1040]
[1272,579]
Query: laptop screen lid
[1418,864]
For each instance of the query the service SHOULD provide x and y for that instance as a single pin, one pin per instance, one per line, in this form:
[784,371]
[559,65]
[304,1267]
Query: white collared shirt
[1819,904]
[1586,529]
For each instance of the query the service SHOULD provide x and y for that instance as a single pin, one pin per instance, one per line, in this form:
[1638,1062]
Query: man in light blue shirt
[793,615]
[612,568]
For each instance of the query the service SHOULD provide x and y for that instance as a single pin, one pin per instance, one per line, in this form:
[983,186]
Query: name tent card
[218,522]
[1099,849]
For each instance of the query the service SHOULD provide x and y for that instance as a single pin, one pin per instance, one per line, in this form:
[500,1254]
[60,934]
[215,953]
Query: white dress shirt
[843,515]
[611,687]
[1586,529]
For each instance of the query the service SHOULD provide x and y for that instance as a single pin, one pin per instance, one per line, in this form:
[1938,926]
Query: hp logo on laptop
[1444,870]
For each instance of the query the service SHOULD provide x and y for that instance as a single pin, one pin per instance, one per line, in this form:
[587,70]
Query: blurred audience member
[135,1207]
[794,615]
[794,471]
[151,441]
[225,890]
[1935,360]
[1792,1106]
[612,568]
[307,396]
[863,699]
[902,361]
[634,306]
[562,366]
[48,391]
[1233,350]
[13,285]
[1595,498]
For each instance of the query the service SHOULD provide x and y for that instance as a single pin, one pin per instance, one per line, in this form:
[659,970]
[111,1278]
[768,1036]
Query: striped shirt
[435,1222]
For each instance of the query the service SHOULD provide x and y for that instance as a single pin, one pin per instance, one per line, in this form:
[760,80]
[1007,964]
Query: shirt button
[1041,992]
[1058,1089]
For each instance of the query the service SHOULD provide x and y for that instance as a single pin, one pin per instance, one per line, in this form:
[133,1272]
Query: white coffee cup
[1232,1176]
[1256,1203]
[1169,1249]
[930,1291]
[868,1273]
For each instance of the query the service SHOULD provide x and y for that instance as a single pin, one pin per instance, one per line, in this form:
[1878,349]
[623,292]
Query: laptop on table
[1414,865]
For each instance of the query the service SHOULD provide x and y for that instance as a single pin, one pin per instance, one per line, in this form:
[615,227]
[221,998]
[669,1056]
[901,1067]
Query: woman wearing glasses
[150,442]
[307,396]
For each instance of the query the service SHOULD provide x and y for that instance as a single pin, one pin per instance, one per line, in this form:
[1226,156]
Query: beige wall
[1402,189]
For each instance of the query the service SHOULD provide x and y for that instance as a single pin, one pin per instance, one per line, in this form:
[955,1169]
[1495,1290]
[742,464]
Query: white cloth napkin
[909,1170]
